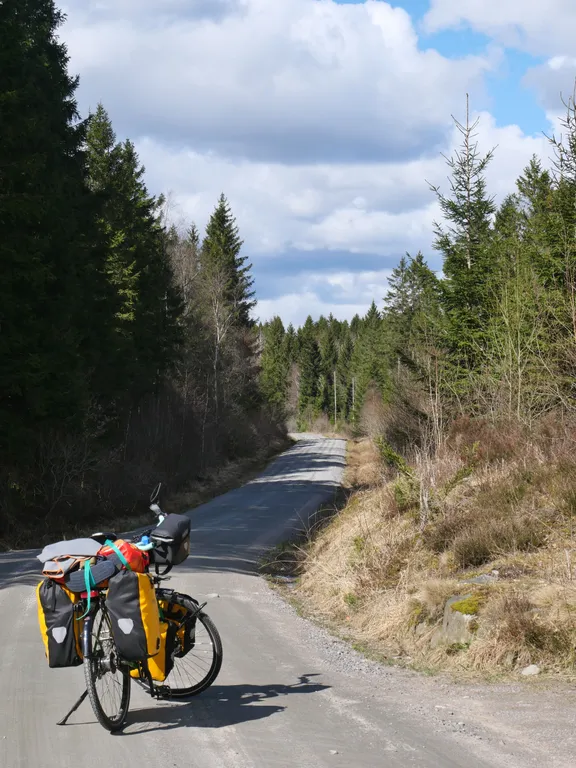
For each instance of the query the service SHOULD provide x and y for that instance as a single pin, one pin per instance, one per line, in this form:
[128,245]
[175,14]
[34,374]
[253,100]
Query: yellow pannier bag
[134,613]
[162,664]
[60,627]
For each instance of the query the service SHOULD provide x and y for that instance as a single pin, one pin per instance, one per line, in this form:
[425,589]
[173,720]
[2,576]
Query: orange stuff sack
[135,560]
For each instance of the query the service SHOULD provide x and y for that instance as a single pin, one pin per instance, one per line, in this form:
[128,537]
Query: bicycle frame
[87,628]
[86,648]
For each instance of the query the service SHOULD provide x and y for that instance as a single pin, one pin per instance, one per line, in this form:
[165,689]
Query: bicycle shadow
[218,707]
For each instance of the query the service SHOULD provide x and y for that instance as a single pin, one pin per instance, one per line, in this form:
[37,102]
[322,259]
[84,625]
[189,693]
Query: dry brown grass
[499,504]
[364,468]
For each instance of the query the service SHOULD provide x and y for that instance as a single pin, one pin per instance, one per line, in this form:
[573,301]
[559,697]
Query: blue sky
[321,120]
[507,98]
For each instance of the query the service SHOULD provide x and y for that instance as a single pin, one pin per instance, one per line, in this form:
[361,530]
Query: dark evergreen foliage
[127,350]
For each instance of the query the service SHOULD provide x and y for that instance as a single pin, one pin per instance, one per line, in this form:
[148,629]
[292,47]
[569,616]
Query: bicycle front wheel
[107,681]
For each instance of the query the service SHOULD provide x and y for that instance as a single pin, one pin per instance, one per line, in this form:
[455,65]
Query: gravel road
[289,695]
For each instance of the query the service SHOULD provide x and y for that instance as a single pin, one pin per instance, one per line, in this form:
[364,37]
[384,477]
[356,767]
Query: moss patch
[469,605]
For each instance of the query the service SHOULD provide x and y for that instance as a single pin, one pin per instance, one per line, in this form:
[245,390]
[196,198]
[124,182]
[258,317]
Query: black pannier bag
[182,612]
[171,540]
[60,627]
[133,608]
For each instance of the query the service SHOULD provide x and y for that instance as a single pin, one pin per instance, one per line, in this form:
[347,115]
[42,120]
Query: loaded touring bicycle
[101,605]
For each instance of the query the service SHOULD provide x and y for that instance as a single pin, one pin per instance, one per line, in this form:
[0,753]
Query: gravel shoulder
[502,724]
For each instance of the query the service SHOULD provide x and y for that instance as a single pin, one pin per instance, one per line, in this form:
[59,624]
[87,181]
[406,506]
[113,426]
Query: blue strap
[121,557]
[88,583]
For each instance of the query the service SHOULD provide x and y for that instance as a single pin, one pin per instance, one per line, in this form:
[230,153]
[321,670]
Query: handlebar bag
[60,629]
[171,540]
[133,609]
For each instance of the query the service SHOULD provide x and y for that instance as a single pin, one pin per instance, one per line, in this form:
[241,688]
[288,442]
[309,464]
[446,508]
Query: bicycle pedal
[163,692]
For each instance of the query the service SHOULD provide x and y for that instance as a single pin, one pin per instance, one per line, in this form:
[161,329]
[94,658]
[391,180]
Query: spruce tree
[138,265]
[370,361]
[274,364]
[221,257]
[47,313]
[290,345]
[104,159]
[329,357]
[344,377]
[399,310]
[310,364]
[535,189]
[464,242]
[355,325]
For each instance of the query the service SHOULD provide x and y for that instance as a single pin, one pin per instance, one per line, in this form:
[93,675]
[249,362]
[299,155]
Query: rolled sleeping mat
[102,570]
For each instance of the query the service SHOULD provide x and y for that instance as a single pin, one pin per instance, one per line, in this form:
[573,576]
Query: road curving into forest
[288,694]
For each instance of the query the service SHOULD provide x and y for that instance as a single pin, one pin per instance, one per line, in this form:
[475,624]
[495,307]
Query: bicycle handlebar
[144,544]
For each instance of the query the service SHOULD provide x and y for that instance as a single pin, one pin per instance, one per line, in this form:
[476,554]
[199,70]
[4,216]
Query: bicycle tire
[95,668]
[185,692]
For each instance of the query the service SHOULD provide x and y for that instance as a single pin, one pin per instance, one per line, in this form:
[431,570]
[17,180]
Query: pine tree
[221,255]
[465,246]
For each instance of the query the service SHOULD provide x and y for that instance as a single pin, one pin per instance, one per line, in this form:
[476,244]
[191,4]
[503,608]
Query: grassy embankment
[463,562]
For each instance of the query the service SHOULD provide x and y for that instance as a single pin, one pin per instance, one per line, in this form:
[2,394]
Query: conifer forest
[492,336]
[128,352]
[131,350]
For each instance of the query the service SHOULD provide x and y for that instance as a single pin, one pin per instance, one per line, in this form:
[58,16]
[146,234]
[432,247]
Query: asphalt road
[288,695]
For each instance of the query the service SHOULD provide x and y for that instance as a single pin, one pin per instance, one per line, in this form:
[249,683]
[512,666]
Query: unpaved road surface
[289,695]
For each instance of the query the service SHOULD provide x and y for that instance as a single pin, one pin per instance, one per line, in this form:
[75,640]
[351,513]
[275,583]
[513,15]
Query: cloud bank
[320,121]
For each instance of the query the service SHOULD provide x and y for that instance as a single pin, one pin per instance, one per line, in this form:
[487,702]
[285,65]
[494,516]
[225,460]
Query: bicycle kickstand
[74,708]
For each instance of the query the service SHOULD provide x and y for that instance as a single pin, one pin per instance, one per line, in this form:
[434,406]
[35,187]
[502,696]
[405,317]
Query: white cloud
[553,82]
[320,122]
[298,81]
[353,294]
[538,26]
[381,208]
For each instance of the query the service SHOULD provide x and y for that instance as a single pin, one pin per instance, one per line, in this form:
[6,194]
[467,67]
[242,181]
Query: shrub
[405,491]
[457,478]
[391,458]
[482,543]
[513,620]
[485,441]
[351,600]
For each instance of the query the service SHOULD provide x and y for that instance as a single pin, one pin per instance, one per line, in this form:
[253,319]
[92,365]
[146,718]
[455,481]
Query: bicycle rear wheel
[107,682]
[199,667]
